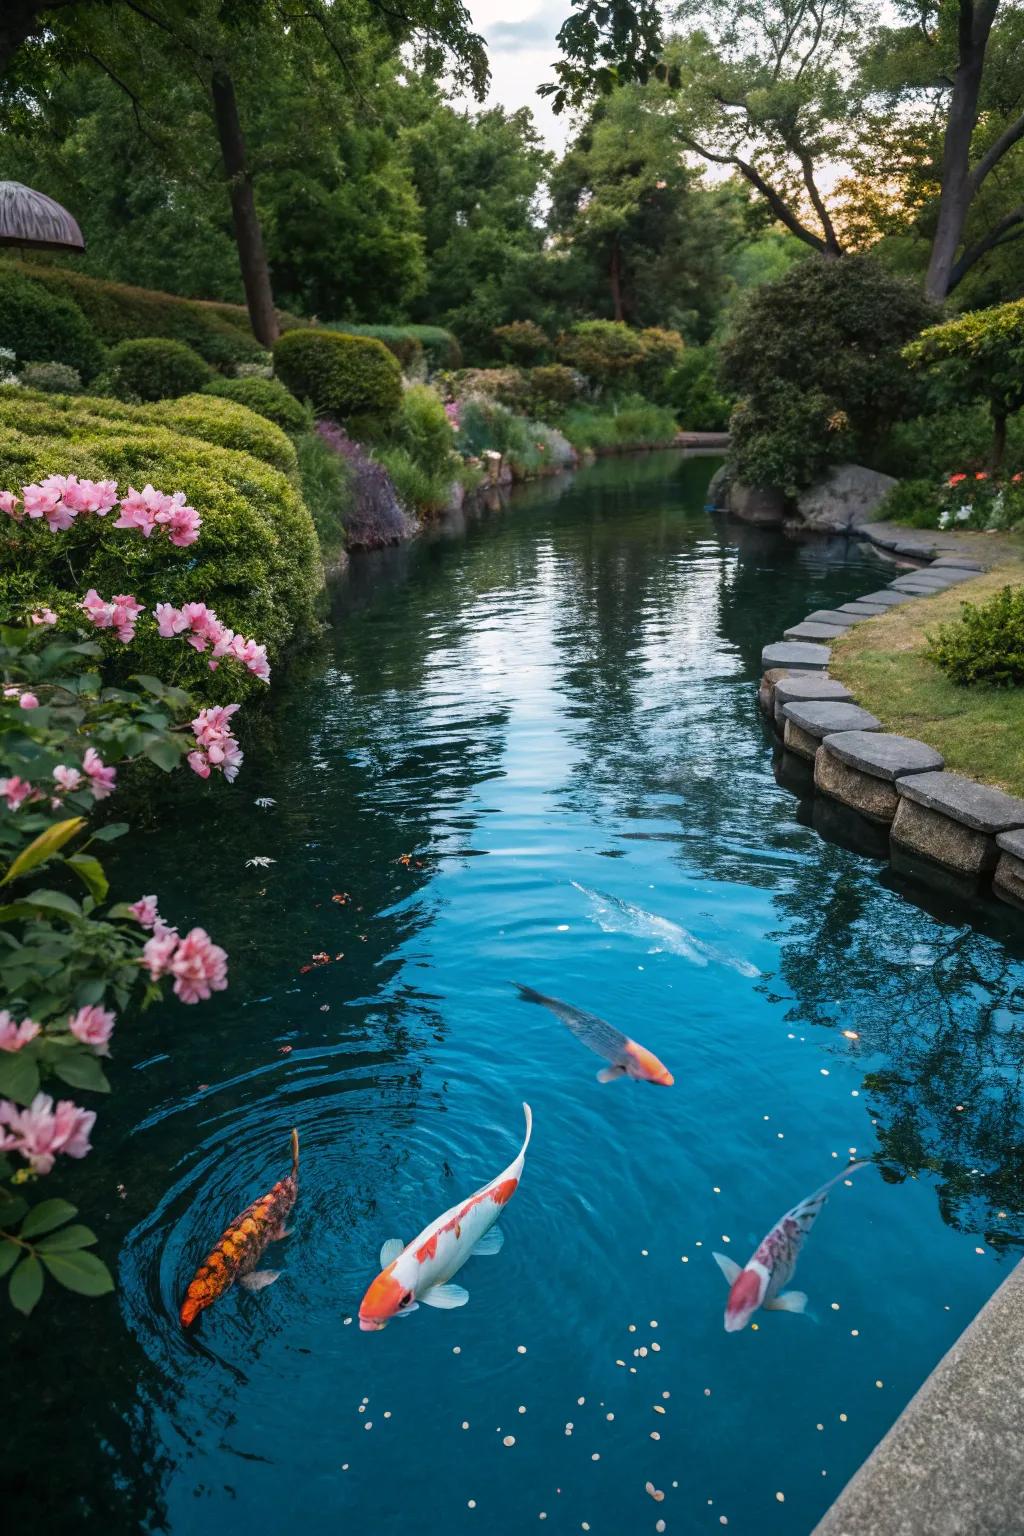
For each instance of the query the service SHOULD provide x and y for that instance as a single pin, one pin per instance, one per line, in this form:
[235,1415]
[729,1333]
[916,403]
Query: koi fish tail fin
[807,1211]
[528,1112]
[528,994]
[295,1152]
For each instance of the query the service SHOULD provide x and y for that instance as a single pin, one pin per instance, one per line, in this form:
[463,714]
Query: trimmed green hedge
[267,397]
[256,561]
[410,342]
[353,379]
[42,327]
[156,368]
[116,312]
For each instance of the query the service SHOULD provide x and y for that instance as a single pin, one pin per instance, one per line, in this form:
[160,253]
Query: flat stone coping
[919,589]
[886,597]
[1011,842]
[806,631]
[881,755]
[865,610]
[956,573]
[797,654]
[922,579]
[835,616]
[951,1464]
[828,716]
[957,562]
[973,805]
[809,687]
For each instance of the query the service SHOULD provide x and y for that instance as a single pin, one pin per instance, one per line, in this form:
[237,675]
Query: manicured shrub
[116,312]
[986,644]
[52,378]
[819,350]
[693,392]
[423,431]
[154,368]
[914,502]
[442,349]
[508,385]
[978,355]
[353,379]
[42,327]
[267,397]
[398,339]
[523,342]
[552,386]
[227,424]
[257,562]
[605,351]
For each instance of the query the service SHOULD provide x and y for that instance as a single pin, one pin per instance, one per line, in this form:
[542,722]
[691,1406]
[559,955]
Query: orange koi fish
[628,1059]
[421,1271]
[242,1246]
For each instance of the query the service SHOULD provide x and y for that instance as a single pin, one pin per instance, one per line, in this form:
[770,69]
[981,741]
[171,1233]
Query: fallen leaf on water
[284,1050]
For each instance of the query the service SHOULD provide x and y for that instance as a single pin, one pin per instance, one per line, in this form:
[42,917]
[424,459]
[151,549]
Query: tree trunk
[615,278]
[998,441]
[976,18]
[248,234]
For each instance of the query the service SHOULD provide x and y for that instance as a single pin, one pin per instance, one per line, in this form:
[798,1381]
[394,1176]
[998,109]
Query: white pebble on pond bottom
[522,1407]
[465,1423]
[509,1440]
[781,1498]
[520,1349]
[471,1504]
[659,1525]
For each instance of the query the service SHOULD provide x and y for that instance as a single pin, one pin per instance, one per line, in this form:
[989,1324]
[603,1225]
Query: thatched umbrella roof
[32,219]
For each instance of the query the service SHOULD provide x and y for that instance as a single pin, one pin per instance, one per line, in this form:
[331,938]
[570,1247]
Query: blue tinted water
[559,696]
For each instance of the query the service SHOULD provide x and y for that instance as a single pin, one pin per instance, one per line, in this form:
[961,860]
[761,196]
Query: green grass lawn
[979,731]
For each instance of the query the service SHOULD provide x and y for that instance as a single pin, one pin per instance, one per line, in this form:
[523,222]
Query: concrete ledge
[953,1463]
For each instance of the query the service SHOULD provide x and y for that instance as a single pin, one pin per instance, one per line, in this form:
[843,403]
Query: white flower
[265,802]
[259,861]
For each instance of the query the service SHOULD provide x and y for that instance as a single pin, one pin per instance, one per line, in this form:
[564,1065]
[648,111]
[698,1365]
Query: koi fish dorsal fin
[390,1251]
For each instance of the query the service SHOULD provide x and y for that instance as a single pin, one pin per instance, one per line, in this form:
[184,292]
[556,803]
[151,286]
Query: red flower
[956,479]
[981,475]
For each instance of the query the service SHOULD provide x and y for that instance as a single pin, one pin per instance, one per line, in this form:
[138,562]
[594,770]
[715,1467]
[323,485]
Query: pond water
[511,730]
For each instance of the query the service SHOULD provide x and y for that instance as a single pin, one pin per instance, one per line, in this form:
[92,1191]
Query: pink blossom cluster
[14,1036]
[201,628]
[148,509]
[199,966]
[41,1131]
[216,747]
[145,913]
[121,613]
[61,498]
[94,775]
[16,790]
[43,616]
[93,1026]
[25,700]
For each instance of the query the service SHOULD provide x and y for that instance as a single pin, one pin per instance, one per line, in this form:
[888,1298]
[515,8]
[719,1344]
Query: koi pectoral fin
[259,1279]
[730,1269]
[413,1306]
[491,1242]
[390,1251]
[789,1301]
[609,1074]
[445,1296]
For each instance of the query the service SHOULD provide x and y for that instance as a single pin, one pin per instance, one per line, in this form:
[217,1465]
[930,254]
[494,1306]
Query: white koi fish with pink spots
[421,1271]
[760,1282]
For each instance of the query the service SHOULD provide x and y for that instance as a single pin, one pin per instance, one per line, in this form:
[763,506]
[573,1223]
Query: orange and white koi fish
[760,1283]
[628,1059]
[421,1271]
[242,1246]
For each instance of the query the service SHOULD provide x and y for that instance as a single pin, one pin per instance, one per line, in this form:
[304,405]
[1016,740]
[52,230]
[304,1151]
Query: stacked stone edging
[951,823]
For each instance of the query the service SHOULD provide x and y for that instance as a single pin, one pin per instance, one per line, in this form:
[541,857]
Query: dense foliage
[986,644]
[43,327]
[979,355]
[354,380]
[155,368]
[267,397]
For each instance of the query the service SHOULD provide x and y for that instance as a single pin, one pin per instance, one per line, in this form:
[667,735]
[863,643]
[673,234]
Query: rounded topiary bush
[52,378]
[267,397]
[228,424]
[256,561]
[353,379]
[42,327]
[155,368]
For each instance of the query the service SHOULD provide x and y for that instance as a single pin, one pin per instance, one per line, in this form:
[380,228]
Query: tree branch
[1009,227]
[992,156]
[774,199]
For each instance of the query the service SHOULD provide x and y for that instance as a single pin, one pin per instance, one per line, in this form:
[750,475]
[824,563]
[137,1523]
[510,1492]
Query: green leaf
[90,871]
[43,847]
[26,1284]
[55,901]
[45,1216]
[67,1241]
[89,993]
[108,833]
[12,1208]
[19,1076]
[162,752]
[9,1253]
[15,909]
[151,684]
[82,1070]
[81,1272]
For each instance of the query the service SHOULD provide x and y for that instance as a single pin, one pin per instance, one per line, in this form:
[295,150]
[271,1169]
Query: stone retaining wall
[953,829]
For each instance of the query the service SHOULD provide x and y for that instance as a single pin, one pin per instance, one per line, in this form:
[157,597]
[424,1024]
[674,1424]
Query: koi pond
[529,751]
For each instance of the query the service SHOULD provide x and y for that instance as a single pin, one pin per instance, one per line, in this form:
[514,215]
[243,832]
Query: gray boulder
[843,499]
[752,504]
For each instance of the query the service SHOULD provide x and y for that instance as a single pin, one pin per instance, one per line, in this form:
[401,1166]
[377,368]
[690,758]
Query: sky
[521,46]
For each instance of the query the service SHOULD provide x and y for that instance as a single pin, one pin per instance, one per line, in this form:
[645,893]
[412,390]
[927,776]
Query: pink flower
[158,951]
[102,778]
[248,652]
[204,626]
[126,611]
[198,762]
[40,1132]
[90,495]
[15,790]
[29,701]
[14,1036]
[182,522]
[170,621]
[140,509]
[42,615]
[219,748]
[94,1026]
[96,610]
[199,967]
[144,911]
[68,779]
[9,504]
[47,500]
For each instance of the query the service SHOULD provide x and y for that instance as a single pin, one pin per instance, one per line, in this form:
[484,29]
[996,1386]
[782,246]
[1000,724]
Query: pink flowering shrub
[73,964]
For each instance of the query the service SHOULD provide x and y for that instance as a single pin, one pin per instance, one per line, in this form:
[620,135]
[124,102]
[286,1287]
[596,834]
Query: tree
[979,355]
